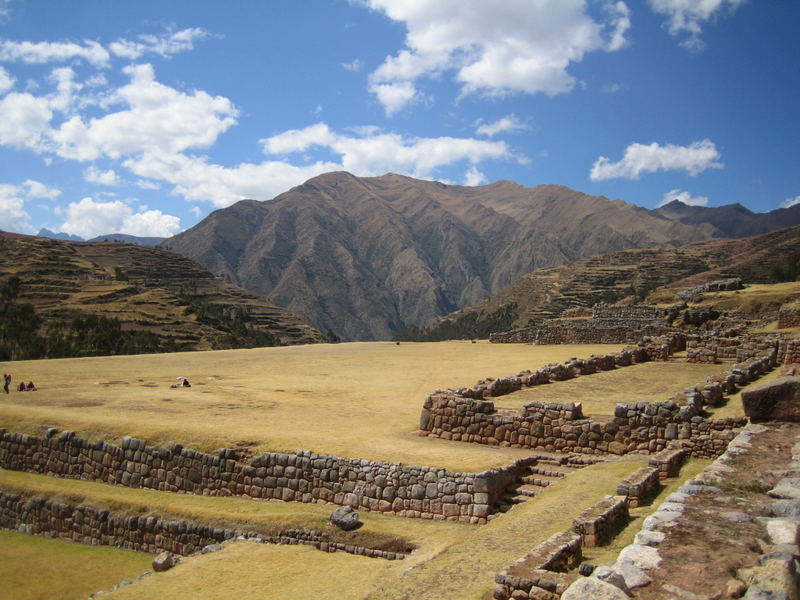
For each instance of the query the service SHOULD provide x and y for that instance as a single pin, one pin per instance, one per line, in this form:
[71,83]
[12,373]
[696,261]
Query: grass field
[599,393]
[355,399]
[33,568]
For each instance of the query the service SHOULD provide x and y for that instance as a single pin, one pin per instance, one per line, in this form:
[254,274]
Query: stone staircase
[546,471]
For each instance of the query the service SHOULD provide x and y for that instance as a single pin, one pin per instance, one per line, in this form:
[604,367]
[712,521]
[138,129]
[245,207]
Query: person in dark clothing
[6,382]
[21,387]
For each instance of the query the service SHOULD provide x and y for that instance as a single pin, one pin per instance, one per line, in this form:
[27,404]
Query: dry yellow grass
[356,399]
[429,536]
[33,568]
[599,393]
[247,571]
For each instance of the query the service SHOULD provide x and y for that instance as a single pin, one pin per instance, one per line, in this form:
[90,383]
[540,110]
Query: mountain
[366,256]
[732,220]
[129,239]
[110,237]
[547,293]
[152,299]
[60,235]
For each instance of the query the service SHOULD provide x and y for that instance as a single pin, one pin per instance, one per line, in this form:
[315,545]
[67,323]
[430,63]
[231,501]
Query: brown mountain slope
[147,289]
[546,293]
[365,257]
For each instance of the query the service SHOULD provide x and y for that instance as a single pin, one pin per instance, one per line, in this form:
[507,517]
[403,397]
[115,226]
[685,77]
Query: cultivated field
[357,399]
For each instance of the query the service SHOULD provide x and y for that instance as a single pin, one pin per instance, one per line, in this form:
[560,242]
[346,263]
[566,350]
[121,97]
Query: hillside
[546,293]
[133,297]
[364,257]
[109,237]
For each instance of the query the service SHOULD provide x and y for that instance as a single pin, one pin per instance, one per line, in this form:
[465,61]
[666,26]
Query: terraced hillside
[547,293]
[170,301]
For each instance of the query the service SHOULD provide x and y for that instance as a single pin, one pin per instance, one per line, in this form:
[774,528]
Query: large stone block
[777,400]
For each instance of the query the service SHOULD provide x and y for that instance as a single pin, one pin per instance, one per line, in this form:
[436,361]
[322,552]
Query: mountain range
[109,237]
[364,257]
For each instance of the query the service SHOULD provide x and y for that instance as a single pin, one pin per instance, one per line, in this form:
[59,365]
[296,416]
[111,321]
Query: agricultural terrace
[356,399]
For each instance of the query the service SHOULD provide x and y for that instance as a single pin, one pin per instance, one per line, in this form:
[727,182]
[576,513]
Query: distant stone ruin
[719,285]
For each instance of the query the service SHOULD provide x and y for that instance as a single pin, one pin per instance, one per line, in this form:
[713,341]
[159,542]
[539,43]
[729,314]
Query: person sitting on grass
[21,387]
[31,387]
[186,383]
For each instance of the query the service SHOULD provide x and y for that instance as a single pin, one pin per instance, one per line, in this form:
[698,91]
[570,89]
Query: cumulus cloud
[474,177]
[24,120]
[686,17]
[13,216]
[493,49]
[789,202]
[165,45]
[95,175]
[6,81]
[157,117]
[377,152]
[35,189]
[684,197]
[47,52]
[641,158]
[506,124]
[90,218]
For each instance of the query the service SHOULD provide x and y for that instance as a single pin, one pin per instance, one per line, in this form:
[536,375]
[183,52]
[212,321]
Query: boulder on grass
[345,518]
[164,562]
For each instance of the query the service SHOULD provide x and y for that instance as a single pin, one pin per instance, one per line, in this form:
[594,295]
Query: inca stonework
[465,415]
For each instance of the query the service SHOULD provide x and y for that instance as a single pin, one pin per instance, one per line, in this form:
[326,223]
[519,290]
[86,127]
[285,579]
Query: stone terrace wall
[610,324]
[95,526]
[789,316]
[792,354]
[730,344]
[465,415]
[409,491]
[639,427]
[585,331]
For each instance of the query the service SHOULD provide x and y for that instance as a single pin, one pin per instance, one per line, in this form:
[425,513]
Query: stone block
[777,400]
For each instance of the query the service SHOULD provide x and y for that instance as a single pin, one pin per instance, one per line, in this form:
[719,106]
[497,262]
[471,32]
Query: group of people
[21,388]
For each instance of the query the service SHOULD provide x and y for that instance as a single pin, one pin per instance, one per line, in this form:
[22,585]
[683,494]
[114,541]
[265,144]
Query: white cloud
[354,65]
[789,202]
[95,175]
[495,49]
[35,189]
[686,16]
[6,81]
[684,197]
[474,177]
[640,158]
[13,216]
[89,218]
[46,52]
[158,118]
[506,124]
[378,153]
[165,45]
[24,120]
[147,185]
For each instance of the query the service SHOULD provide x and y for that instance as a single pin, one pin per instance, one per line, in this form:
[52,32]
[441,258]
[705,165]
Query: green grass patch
[33,568]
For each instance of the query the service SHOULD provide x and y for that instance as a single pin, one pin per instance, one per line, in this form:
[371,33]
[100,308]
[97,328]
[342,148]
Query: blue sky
[143,117]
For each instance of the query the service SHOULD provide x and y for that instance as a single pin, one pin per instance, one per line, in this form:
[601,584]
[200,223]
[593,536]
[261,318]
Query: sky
[143,117]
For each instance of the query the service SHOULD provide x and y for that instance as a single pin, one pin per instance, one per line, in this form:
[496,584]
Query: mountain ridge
[366,256]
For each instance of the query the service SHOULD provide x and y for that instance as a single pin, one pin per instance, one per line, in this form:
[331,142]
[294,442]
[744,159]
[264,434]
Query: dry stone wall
[152,534]
[789,316]
[466,415]
[792,353]
[409,491]
[600,523]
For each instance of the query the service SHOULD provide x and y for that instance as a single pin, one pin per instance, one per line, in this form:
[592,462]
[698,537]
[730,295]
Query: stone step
[538,480]
[547,470]
[531,491]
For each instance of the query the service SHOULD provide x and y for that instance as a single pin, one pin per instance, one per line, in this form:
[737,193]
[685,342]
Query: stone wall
[465,415]
[585,331]
[789,316]
[409,491]
[720,285]
[542,572]
[791,355]
[729,344]
[152,534]
[668,462]
[599,524]
[639,485]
